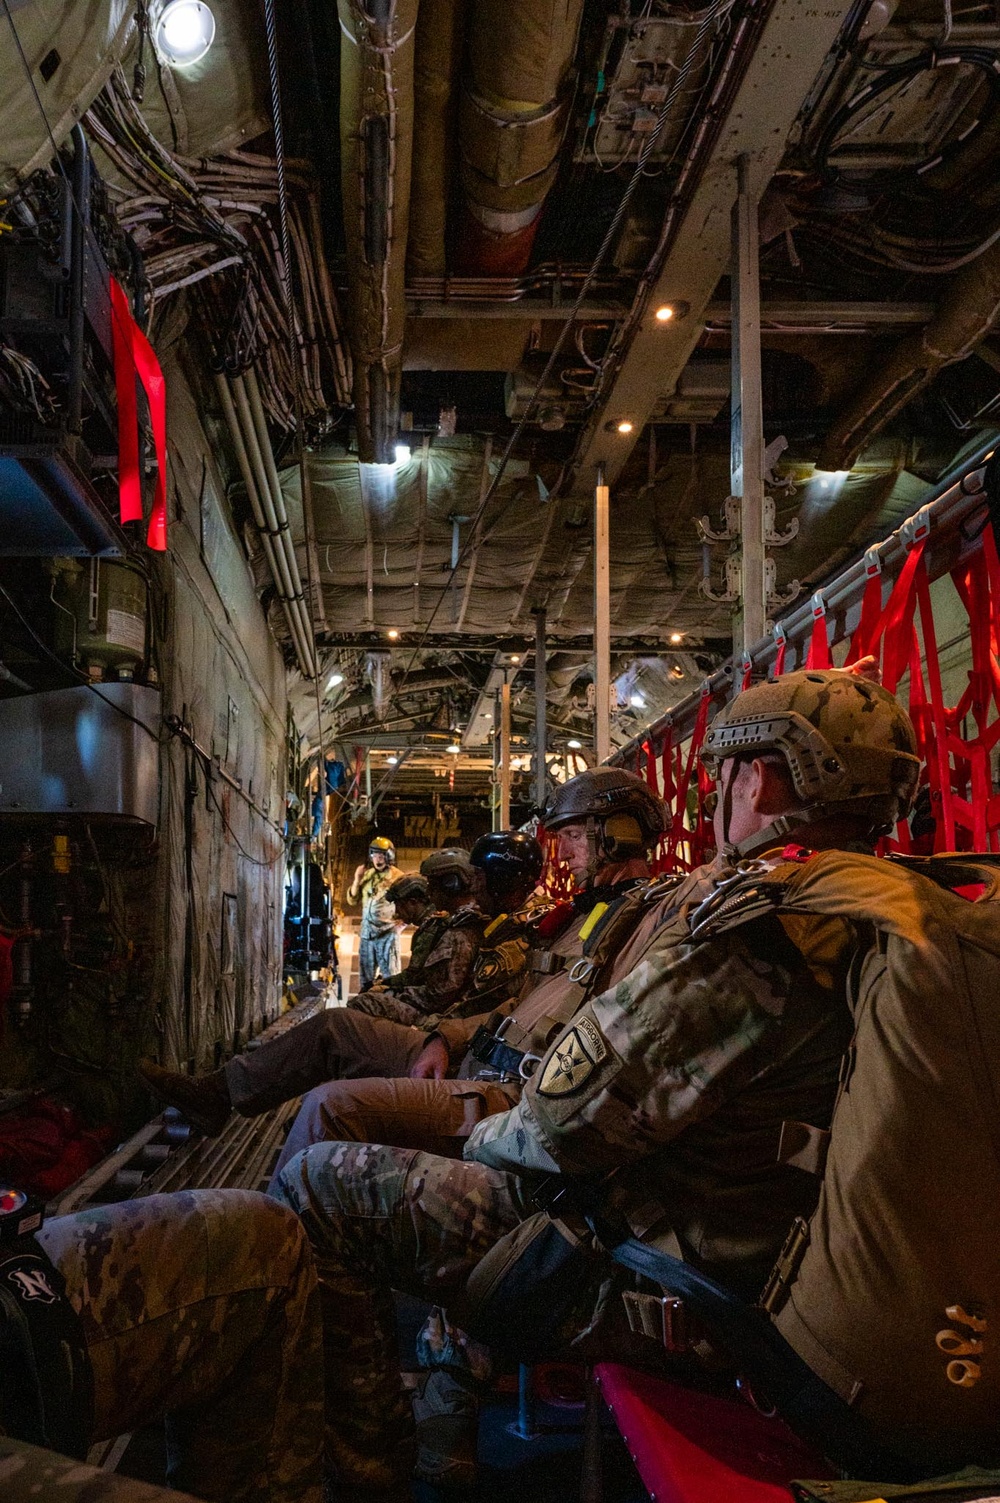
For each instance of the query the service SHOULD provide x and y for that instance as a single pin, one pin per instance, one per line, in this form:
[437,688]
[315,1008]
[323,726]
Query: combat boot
[203,1102]
[446,1415]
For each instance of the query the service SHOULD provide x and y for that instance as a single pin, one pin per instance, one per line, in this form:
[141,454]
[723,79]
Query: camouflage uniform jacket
[446,970]
[678,1078]
[378,915]
[498,971]
[422,945]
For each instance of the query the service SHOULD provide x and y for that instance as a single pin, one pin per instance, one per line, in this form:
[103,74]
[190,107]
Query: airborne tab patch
[573,1060]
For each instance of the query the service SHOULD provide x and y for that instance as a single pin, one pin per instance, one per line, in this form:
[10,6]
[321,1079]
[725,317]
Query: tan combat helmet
[849,746]
[623,816]
[449,870]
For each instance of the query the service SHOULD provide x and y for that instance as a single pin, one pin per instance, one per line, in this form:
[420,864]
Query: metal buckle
[502,1027]
[534,1060]
[663,1318]
[581,971]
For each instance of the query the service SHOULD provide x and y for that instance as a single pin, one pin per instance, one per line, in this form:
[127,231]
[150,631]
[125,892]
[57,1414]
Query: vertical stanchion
[541,731]
[505,755]
[747,436]
[602,624]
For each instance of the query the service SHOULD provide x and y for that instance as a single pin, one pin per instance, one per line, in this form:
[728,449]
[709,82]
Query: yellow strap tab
[500,919]
[586,928]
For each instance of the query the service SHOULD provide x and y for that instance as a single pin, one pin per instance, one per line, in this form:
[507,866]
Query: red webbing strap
[938,762]
[134,357]
[871,609]
[650,756]
[679,832]
[895,624]
[746,663]
[666,765]
[782,645]
[818,655]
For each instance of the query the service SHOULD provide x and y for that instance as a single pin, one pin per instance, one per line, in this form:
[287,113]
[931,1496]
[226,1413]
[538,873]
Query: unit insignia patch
[573,1060]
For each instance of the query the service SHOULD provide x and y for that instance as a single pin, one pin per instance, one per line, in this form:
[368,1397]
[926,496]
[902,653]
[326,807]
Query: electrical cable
[890,78]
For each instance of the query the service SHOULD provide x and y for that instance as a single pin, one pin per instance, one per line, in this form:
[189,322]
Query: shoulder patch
[573,1060]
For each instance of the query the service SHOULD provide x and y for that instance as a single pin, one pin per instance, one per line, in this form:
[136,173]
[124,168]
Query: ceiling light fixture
[184,32]
[392,761]
[403,454]
[625,426]
[515,657]
[676,636]
[637,700]
[334,680]
[392,634]
[454,748]
[574,745]
[664,313]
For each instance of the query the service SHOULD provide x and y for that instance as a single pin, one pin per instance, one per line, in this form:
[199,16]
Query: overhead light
[676,637]
[574,745]
[515,657]
[185,31]
[334,680]
[637,700]
[677,671]
[403,454]
[454,748]
[392,761]
[392,634]
[625,426]
[664,313]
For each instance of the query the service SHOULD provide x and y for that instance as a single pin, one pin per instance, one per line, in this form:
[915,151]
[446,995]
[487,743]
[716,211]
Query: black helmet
[409,887]
[631,817]
[450,869]
[508,860]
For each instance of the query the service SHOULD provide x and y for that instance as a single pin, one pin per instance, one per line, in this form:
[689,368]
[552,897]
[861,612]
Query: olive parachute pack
[876,1336]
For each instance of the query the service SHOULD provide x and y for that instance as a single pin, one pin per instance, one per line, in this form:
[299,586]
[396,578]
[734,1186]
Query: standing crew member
[378,951]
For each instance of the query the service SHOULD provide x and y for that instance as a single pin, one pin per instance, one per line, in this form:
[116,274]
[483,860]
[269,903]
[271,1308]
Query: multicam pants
[382,1219]
[202,1306]
[28,1475]
[377,956]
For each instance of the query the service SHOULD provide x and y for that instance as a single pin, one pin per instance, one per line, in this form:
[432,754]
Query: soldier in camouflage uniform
[29,1474]
[679,1077]
[443,980]
[201,1306]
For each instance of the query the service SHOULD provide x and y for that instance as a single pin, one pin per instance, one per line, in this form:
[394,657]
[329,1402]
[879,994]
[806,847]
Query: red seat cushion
[692,1447]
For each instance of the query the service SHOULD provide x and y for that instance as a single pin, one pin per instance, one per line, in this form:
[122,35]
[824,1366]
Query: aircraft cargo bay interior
[499,750]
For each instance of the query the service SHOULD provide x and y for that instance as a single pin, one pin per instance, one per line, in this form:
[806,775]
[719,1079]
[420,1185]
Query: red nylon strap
[779,658]
[650,755]
[895,623]
[939,762]
[818,655]
[871,608]
[679,832]
[134,357]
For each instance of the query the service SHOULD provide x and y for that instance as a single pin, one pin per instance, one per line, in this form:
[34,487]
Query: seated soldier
[605,820]
[445,969]
[675,1080]
[200,1307]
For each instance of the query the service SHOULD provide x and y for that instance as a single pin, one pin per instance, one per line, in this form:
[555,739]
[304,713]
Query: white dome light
[185,31]
[638,701]
[334,680]
[574,745]
[403,454]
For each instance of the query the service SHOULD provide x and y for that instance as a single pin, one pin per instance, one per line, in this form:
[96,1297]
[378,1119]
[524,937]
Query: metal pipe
[80,211]
[259,447]
[505,755]
[602,622]
[541,689]
[277,498]
[241,438]
[747,427]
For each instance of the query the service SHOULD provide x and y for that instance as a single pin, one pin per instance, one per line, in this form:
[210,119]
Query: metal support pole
[541,685]
[747,444]
[505,755]
[525,1426]
[602,624]
[368,779]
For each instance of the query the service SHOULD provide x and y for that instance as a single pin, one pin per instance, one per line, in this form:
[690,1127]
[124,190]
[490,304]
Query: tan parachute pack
[891,1293]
